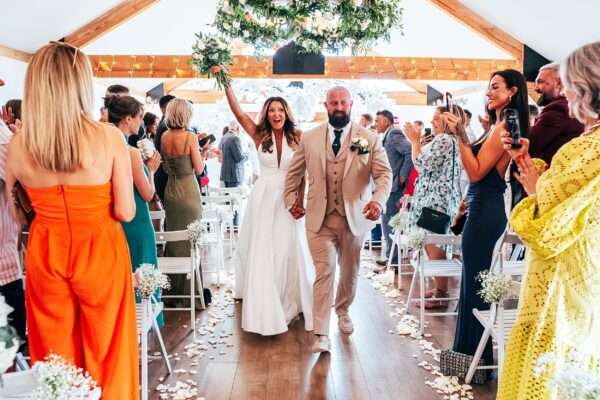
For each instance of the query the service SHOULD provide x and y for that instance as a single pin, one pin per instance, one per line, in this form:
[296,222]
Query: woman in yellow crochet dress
[559,308]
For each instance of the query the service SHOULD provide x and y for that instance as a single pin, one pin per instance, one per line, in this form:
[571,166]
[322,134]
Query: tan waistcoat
[335,172]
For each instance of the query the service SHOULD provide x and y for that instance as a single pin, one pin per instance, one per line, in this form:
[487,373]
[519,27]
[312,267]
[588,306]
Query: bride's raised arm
[242,117]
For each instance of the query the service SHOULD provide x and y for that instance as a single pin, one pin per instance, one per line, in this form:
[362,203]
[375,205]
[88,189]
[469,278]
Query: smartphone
[449,103]
[207,139]
[511,118]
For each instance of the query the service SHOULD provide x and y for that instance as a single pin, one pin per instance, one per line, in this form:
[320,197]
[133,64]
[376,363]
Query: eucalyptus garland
[315,25]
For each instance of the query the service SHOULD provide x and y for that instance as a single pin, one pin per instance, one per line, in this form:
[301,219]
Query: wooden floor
[371,363]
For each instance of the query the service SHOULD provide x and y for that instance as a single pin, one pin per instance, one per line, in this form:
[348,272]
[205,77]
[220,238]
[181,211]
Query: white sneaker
[321,344]
[345,324]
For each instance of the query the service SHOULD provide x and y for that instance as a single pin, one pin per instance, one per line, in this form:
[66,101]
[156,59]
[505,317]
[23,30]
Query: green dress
[141,240]
[183,205]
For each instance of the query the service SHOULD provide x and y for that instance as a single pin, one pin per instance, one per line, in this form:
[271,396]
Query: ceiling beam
[485,28]
[172,84]
[418,86]
[15,54]
[108,21]
[411,68]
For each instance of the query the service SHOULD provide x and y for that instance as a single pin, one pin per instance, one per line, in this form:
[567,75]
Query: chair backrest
[157,214]
[437,239]
[405,202]
[172,236]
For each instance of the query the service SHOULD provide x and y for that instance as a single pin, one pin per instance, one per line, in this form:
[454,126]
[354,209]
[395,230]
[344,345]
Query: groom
[340,158]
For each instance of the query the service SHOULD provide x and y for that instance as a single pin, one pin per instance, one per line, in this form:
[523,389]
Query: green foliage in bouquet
[209,51]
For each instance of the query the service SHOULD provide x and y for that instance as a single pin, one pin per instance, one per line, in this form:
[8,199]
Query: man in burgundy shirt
[553,127]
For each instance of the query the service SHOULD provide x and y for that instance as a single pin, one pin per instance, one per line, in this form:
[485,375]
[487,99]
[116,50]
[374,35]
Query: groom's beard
[543,100]
[339,119]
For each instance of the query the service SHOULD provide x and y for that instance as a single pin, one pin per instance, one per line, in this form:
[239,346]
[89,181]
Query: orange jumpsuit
[79,294]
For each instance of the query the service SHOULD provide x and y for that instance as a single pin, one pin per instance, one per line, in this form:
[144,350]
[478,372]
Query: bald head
[338,104]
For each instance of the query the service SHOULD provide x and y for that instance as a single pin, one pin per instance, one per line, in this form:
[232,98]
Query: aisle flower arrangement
[209,51]
[314,25]
[195,230]
[571,380]
[61,380]
[149,279]
[416,238]
[496,287]
[399,221]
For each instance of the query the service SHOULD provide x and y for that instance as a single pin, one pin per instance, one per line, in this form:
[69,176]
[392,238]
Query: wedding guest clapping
[559,308]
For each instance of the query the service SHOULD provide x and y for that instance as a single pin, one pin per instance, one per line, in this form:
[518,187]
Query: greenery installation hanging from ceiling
[315,25]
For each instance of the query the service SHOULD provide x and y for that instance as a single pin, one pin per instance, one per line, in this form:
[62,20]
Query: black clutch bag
[453,363]
[434,221]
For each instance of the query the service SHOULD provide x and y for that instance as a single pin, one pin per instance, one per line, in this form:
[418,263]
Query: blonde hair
[178,114]
[57,107]
[581,74]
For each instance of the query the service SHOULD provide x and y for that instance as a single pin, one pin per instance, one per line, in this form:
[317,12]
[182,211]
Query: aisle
[373,363]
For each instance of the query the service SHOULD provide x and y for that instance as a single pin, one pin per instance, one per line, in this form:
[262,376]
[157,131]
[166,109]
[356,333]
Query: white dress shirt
[345,131]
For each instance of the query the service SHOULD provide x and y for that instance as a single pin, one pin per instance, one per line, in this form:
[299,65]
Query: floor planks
[369,364]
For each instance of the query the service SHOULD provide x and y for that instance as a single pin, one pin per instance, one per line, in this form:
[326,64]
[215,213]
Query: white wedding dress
[274,273]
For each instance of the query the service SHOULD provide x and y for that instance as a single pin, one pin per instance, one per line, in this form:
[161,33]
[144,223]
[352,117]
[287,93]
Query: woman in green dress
[182,160]
[126,113]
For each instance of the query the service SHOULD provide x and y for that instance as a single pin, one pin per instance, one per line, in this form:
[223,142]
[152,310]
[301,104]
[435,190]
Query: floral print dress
[438,185]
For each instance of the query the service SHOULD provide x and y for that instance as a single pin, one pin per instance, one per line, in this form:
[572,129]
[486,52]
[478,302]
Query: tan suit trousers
[332,242]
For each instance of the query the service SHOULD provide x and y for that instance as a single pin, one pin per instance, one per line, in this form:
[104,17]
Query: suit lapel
[323,154]
[351,154]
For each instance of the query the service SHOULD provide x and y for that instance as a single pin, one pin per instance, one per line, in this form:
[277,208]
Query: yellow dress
[559,308]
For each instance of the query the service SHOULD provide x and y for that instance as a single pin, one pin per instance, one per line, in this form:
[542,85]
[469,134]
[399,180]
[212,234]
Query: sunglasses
[69,46]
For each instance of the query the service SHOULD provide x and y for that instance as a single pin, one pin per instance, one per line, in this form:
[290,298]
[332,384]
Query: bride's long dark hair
[265,129]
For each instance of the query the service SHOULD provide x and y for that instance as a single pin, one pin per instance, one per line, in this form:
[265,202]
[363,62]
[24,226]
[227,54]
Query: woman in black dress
[485,163]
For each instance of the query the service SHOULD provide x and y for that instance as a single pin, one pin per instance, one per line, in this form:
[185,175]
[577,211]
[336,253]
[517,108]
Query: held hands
[153,162]
[297,209]
[372,211]
[411,132]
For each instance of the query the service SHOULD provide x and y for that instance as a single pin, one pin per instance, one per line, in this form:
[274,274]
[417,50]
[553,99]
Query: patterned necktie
[335,146]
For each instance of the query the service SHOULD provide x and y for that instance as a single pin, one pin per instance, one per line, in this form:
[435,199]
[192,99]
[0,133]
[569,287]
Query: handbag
[453,363]
[22,202]
[433,220]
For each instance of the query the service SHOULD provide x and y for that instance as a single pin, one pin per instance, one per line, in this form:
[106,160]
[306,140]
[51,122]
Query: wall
[12,72]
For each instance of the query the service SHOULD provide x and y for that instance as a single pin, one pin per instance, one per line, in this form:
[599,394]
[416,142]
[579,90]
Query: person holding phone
[485,163]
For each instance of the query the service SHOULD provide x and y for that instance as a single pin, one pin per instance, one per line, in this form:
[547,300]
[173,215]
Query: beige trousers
[334,240]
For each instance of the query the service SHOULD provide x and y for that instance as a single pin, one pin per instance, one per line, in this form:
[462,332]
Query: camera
[511,118]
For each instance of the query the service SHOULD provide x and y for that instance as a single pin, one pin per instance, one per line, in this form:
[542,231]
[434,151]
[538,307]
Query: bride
[274,259]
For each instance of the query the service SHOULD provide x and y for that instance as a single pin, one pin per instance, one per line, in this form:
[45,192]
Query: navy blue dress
[485,223]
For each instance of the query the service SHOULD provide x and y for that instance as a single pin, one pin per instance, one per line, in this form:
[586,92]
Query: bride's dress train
[274,273]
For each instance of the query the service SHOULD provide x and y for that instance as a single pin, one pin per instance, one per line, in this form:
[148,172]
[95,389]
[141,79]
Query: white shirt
[345,131]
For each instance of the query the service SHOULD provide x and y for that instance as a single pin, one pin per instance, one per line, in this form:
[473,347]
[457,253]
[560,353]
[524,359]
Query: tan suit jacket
[311,157]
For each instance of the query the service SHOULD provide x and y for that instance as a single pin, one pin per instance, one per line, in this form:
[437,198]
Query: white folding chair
[188,266]
[425,268]
[400,243]
[213,237]
[498,321]
[160,216]
[146,313]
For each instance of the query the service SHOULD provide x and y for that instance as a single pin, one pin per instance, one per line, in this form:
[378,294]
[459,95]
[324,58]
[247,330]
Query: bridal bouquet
[496,287]
[9,340]
[212,51]
[572,380]
[149,279]
[60,380]
[399,221]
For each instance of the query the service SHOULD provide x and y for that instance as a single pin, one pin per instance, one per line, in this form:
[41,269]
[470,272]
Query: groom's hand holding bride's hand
[372,211]
[297,210]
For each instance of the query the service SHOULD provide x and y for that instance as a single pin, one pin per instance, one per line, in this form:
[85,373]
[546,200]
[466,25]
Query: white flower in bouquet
[399,221]
[495,286]
[61,380]
[572,380]
[212,51]
[149,279]
[416,238]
